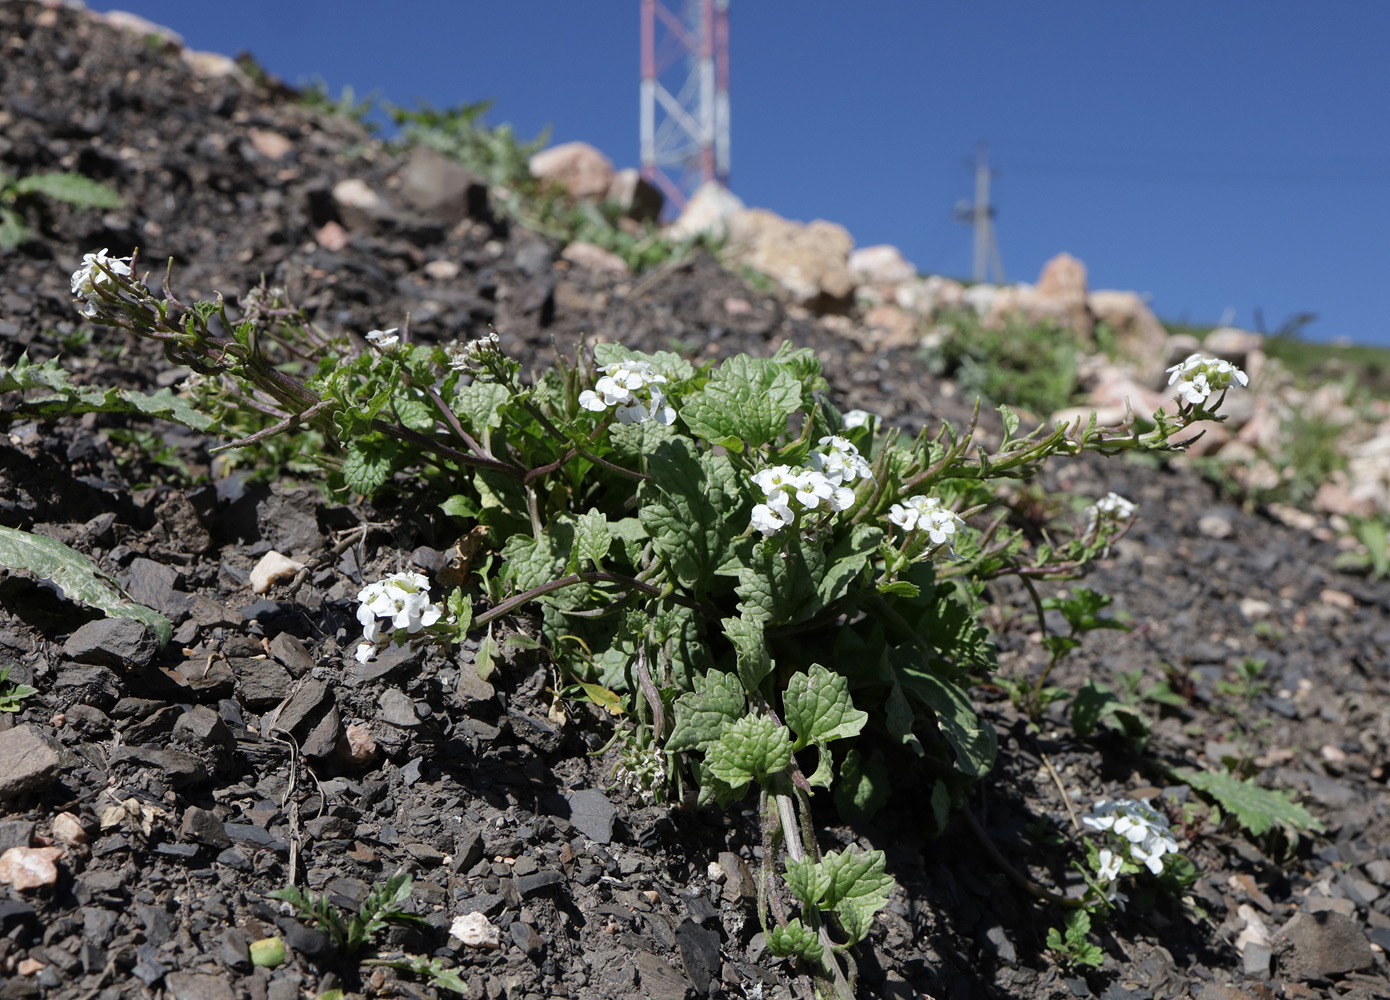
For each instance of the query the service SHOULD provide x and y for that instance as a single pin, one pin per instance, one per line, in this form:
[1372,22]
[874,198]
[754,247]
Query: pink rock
[332,237]
[881,265]
[594,258]
[578,167]
[271,145]
[30,867]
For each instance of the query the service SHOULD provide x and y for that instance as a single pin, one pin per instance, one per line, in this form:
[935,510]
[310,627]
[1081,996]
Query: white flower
[927,514]
[465,358]
[1108,866]
[1199,376]
[840,461]
[809,489]
[857,418]
[623,385]
[1110,508]
[404,598]
[1143,830]
[365,651]
[384,340]
[87,277]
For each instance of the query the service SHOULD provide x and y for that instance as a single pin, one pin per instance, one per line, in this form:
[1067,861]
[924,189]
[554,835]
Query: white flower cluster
[404,598]
[1111,508]
[87,277]
[926,514]
[633,388]
[384,340]
[1200,376]
[789,491]
[465,358]
[819,487]
[1142,830]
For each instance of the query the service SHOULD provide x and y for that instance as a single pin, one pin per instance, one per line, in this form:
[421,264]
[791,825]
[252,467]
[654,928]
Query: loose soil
[253,751]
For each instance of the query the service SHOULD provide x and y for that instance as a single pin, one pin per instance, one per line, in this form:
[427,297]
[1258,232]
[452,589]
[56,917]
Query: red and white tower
[685,95]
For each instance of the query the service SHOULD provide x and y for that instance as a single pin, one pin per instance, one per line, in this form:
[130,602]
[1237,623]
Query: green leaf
[901,719]
[749,749]
[701,714]
[1010,419]
[778,580]
[591,539]
[746,635]
[795,941]
[684,511]
[13,231]
[461,609]
[1257,809]
[1082,610]
[459,505]
[863,786]
[71,188]
[819,708]
[479,405]
[415,411]
[483,658]
[673,366]
[748,401]
[847,561]
[1092,702]
[851,882]
[79,578]
[74,400]
[369,464]
[532,562]
[974,741]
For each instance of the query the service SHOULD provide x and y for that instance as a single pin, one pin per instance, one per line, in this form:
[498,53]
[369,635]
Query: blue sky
[1216,156]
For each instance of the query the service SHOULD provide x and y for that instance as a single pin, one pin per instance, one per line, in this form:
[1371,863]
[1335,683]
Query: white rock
[30,867]
[475,930]
[272,569]
[594,258]
[706,213]
[883,264]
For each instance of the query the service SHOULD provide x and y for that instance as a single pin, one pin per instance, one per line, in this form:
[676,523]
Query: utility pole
[981,216]
[685,96]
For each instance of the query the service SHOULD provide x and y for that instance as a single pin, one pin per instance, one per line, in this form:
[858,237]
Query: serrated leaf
[591,539]
[701,714]
[71,188]
[818,707]
[778,580]
[808,880]
[795,940]
[532,562]
[750,649]
[859,888]
[683,511]
[749,749]
[748,399]
[1256,809]
[479,405]
[78,577]
[369,463]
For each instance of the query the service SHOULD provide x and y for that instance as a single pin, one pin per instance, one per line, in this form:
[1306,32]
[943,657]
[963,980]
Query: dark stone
[699,951]
[203,826]
[530,885]
[236,949]
[15,833]
[659,980]
[1323,946]
[487,903]
[158,586]
[290,651]
[592,814]
[330,828]
[289,520]
[536,731]
[263,683]
[441,188]
[396,708]
[197,986]
[310,715]
[203,729]
[112,642]
[27,762]
[527,938]
[180,768]
[386,661]
[307,941]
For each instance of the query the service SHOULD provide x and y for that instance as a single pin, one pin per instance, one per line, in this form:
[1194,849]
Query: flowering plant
[751,579]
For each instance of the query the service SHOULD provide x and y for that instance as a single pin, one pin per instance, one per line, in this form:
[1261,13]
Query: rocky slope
[156,797]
